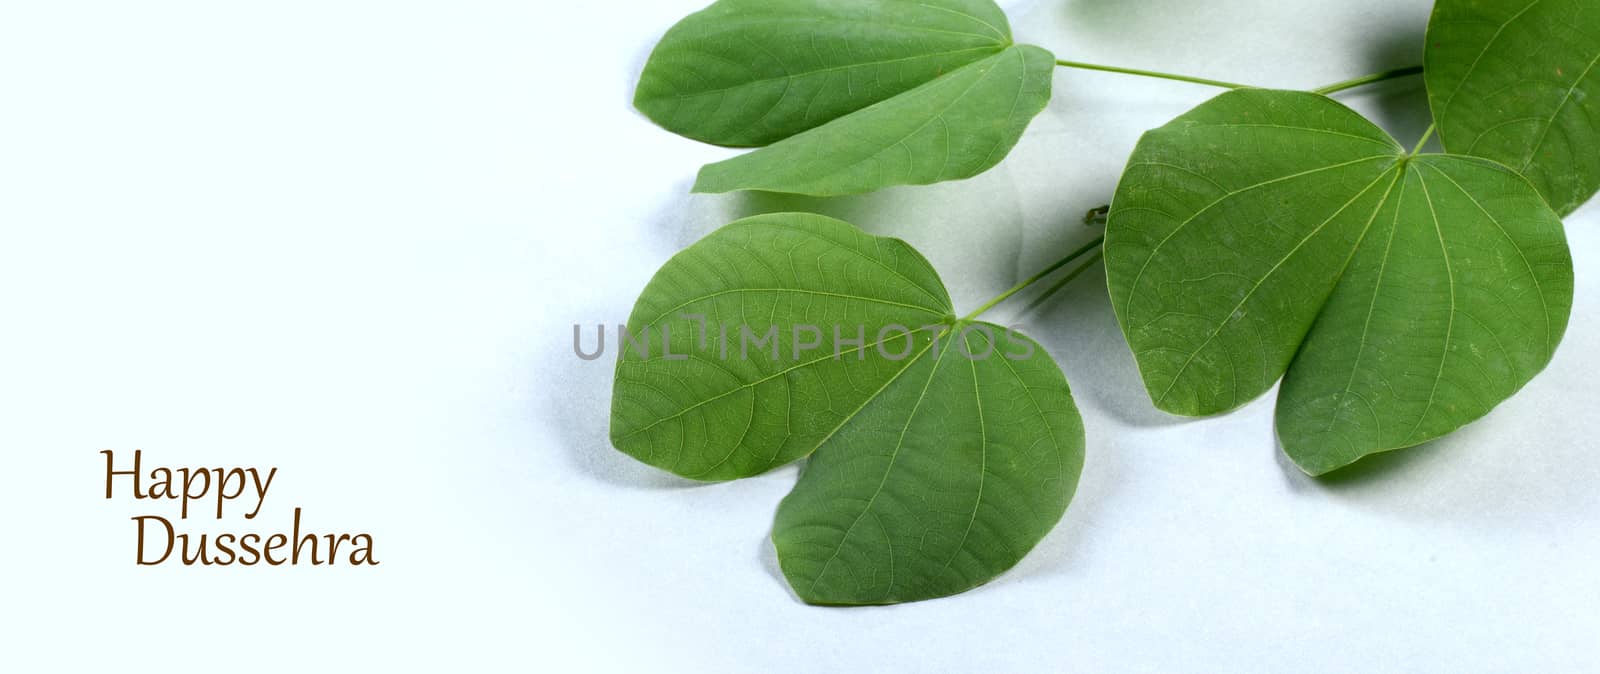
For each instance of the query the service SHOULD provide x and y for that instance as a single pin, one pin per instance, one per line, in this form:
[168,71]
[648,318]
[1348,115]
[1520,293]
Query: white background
[350,240]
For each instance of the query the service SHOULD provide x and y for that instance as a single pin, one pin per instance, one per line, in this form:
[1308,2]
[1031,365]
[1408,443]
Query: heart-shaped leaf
[751,72]
[1517,81]
[945,449]
[1267,231]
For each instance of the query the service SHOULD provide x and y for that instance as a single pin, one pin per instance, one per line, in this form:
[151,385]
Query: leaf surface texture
[1518,81]
[1272,232]
[952,128]
[941,450]
[752,72]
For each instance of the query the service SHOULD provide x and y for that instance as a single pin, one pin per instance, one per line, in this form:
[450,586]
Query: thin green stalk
[1425,136]
[1150,73]
[1369,79]
[1058,264]
[1065,280]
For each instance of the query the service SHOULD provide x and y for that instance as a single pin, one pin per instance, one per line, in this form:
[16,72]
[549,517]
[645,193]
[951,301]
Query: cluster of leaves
[1265,234]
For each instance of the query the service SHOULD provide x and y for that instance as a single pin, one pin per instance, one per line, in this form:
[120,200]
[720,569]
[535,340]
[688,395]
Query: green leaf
[944,448]
[1517,81]
[723,414]
[752,72]
[946,480]
[1273,231]
[847,97]
[952,128]
[1456,298]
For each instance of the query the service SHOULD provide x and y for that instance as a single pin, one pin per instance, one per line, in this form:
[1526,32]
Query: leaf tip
[1313,460]
[1311,469]
[710,180]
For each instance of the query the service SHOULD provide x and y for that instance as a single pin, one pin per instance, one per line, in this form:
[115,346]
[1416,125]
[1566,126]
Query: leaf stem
[1150,73]
[1065,280]
[1369,79]
[1425,136]
[1057,265]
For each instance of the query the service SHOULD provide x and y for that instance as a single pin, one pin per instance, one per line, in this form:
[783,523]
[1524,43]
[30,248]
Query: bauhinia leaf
[751,72]
[952,128]
[1517,81]
[945,480]
[1457,296]
[944,449]
[1273,231]
[740,405]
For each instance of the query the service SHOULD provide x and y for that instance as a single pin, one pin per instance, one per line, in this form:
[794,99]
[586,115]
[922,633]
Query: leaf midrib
[1538,286]
[893,454]
[979,79]
[1383,266]
[1444,109]
[767,378]
[1228,317]
[845,246]
[1133,286]
[790,76]
[1533,152]
[1450,326]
